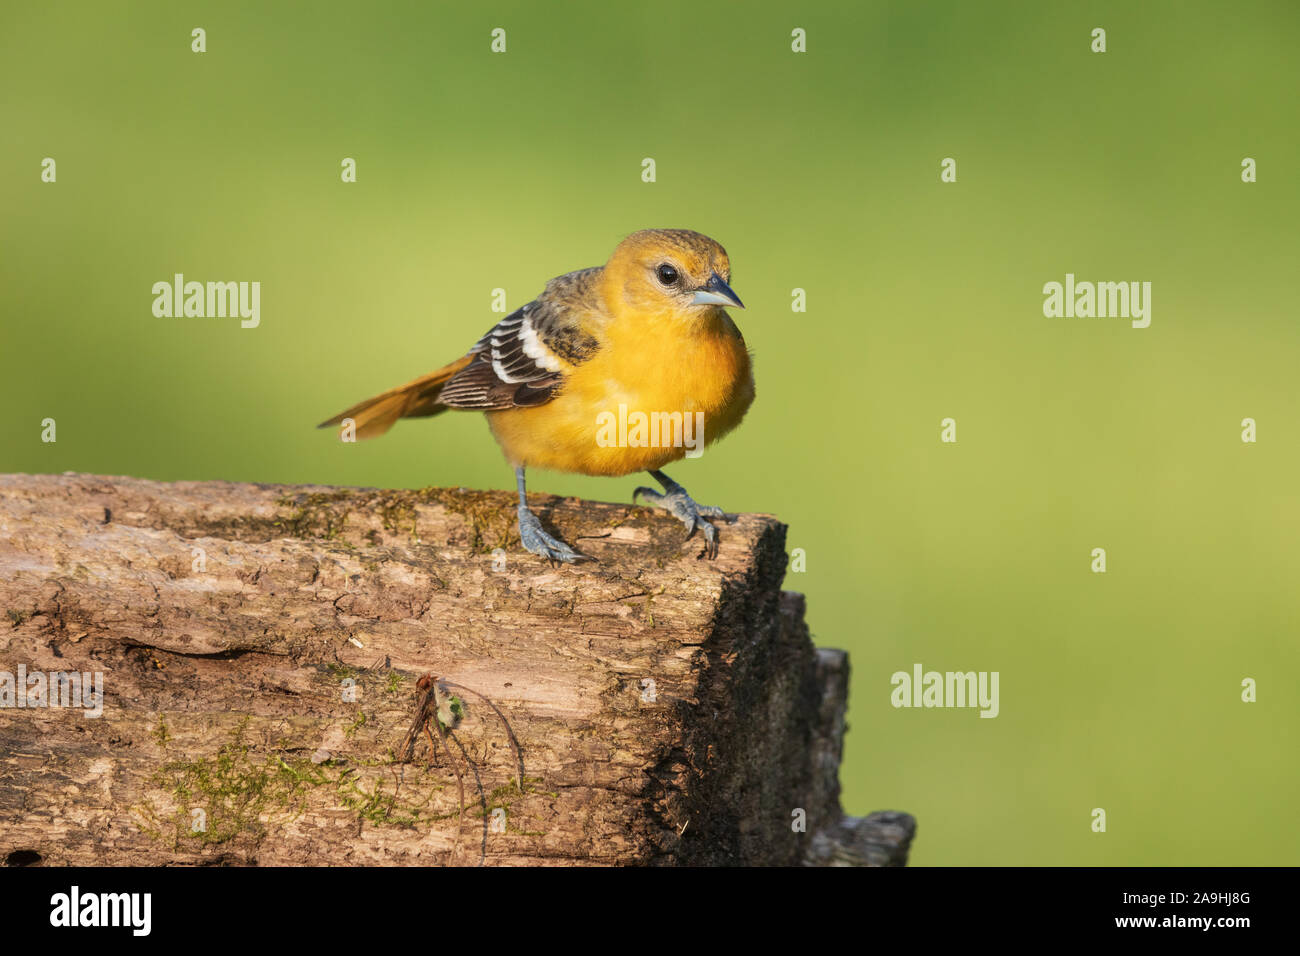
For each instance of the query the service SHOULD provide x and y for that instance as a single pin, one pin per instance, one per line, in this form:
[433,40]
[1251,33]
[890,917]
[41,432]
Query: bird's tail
[417,399]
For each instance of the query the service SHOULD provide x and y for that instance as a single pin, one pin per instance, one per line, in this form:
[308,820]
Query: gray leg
[677,502]
[531,535]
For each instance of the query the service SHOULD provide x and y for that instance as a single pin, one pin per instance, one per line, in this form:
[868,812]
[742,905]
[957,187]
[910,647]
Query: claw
[679,504]
[534,539]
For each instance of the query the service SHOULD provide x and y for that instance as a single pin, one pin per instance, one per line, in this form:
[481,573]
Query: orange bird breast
[657,365]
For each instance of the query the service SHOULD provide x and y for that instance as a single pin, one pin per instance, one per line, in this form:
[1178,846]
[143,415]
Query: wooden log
[265,654]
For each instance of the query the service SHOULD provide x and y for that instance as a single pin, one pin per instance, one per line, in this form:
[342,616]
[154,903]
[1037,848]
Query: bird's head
[673,271]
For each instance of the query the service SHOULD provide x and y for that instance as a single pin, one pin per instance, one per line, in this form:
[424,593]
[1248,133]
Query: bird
[648,332]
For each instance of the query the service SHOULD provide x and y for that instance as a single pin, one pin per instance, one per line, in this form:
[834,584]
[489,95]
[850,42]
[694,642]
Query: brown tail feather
[415,399]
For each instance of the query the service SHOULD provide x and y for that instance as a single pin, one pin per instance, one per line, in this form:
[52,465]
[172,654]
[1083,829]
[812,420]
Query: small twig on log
[482,796]
[514,744]
[428,710]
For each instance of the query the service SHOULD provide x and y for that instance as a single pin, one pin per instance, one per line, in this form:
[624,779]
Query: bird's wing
[523,359]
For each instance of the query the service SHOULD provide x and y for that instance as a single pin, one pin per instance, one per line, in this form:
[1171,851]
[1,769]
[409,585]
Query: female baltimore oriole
[647,331]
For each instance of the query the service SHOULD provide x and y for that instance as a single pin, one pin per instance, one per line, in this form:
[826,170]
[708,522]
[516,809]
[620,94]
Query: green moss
[17,618]
[234,789]
[340,671]
[504,796]
[396,515]
[315,516]
[649,600]
[160,732]
[378,807]
[241,791]
[451,711]
[490,516]
[508,793]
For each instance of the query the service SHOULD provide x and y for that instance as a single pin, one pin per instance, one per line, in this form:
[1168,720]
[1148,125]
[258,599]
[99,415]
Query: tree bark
[265,653]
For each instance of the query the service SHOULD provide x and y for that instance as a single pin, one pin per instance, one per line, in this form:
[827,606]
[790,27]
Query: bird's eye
[667,274]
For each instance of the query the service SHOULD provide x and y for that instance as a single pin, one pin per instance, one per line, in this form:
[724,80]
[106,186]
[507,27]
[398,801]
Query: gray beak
[717,292]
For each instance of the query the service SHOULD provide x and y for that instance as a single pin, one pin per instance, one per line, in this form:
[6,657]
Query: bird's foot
[534,539]
[678,503]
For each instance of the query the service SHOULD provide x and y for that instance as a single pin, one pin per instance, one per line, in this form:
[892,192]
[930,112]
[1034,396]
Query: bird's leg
[531,535]
[677,502]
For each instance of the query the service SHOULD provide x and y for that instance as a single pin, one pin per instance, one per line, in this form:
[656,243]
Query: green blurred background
[818,171]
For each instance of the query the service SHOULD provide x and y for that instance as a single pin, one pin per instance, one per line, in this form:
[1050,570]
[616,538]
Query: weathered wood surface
[664,709]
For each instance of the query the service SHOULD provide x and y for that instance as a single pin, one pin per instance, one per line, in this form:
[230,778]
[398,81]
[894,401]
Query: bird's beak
[717,292]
